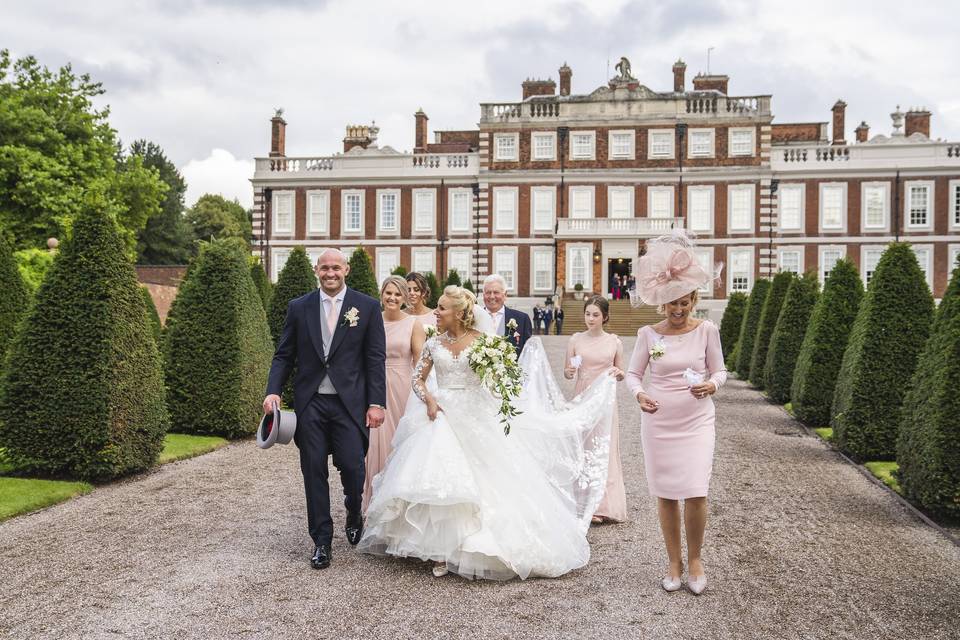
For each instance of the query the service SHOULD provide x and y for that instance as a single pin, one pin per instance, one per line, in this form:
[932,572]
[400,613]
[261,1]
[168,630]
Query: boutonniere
[512,325]
[351,317]
[430,330]
[516,337]
[657,350]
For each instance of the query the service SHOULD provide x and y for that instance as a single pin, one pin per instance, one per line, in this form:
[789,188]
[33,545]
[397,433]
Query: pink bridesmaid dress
[678,439]
[427,319]
[598,354]
[399,375]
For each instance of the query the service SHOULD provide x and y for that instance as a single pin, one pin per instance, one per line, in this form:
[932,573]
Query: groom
[334,337]
[510,323]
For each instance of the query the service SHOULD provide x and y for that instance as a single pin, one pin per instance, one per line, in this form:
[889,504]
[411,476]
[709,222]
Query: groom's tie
[332,316]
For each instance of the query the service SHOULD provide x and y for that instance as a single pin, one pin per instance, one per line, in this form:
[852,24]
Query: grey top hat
[278,426]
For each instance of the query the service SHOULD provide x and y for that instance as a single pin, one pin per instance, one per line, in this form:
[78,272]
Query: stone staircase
[624,319]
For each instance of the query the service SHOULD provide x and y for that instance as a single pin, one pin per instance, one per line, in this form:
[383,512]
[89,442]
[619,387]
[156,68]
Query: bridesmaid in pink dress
[590,354]
[686,367]
[416,302]
[405,338]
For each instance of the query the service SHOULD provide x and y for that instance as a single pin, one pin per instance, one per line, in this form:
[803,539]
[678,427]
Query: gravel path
[799,545]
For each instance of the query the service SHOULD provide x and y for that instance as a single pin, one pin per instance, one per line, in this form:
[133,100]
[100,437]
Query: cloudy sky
[202,77]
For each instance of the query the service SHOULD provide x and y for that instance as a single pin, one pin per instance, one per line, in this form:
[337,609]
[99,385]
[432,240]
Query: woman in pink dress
[590,354]
[417,300]
[677,427]
[405,338]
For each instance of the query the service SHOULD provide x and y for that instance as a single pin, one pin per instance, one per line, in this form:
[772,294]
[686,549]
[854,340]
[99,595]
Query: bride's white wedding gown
[457,490]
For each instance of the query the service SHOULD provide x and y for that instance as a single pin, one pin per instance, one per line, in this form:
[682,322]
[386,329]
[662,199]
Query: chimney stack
[278,135]
[679,71]
[703,82]
[538,88]
[566,73]
[359,136]
[420,132]
[917,121]
[839,114]
[863,132]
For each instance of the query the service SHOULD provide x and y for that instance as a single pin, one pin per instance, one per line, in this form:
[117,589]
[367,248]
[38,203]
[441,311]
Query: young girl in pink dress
[405,338]
[590,354]
[686,367]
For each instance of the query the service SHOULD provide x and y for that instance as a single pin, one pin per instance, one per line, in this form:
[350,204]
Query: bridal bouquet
[494,360]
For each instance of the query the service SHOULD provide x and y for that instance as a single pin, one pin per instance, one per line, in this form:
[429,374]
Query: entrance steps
[625,320]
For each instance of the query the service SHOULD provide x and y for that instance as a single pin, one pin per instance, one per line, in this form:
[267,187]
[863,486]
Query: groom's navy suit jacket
[356,363]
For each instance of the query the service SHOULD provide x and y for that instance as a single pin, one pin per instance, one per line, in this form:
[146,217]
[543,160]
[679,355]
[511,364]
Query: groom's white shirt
[326,386]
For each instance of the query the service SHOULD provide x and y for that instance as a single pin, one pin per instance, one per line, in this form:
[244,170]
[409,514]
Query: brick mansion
[560,189]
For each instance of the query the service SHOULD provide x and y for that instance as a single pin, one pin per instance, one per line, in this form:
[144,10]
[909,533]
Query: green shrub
[928,447]
[818,364]
[13,300]
[453,278]
[732,321]
[435,289]
[468,286]
[399,270]
[361,276]
[768,322]
[788,336]
[262,283]
[33,265]
[887,336]
[156,327]
[218,347]
[748,332]
[297,278]
[83,395]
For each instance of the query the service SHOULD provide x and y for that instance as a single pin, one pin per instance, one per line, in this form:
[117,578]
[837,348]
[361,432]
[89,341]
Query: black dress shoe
[354,529]
[321,557]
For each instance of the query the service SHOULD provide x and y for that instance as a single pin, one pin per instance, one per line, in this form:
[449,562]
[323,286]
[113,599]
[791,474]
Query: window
[870,257]
[424,209]
[505,146]
[388,203]
[279,260]
[542,268]
[740,207]
[705,259]
[791,260]
[544,146]
[423,260]
[318,212]
[833,206]
[700,209]
[352,207]
[791,198]
[873,199]
[580,266]
[619,202]
[954,204]
[661,143]
[919,202]
[660,202]
[829,256]
[505,209]
[582,145]
[283,212]
[953,254]
[542,208]
[622,145]
[924,254]
[459,259]
[741,269]
[505,264]
[387,261]
[460,210]
[741,141]
[700,143]
[581,202]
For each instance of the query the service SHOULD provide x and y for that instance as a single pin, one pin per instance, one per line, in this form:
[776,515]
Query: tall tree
[788,336]
[213,216]
[730,324]
[361,276]
[768,322]
[748,331]
[13,302]
[167,238]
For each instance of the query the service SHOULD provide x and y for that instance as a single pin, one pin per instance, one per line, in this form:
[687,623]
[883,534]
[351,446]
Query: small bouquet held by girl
[494,360]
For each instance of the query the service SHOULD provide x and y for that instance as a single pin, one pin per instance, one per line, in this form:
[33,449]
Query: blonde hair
[461,300]
[401,286]
[694,298]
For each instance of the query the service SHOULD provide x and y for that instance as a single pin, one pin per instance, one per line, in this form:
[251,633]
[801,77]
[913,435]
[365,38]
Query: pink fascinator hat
[670,269]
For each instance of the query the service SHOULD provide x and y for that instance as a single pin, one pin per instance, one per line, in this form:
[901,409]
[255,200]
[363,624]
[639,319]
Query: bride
[457,491]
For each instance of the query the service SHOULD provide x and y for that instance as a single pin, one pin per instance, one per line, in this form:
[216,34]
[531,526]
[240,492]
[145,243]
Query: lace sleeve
[421,371]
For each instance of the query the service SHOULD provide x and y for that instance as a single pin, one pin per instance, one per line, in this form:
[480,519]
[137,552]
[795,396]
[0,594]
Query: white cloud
[220,173]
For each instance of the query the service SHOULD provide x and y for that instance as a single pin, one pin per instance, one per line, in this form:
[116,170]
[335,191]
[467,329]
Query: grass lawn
[179,446]
[825,432]
[884,471]
[23,495]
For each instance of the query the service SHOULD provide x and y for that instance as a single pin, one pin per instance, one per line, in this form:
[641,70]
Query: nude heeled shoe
[670,584]
[697,585]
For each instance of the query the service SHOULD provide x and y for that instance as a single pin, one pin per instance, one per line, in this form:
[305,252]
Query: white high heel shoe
[670,584]
[697,585]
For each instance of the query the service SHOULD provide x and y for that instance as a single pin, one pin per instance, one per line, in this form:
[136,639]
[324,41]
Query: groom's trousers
[326,428]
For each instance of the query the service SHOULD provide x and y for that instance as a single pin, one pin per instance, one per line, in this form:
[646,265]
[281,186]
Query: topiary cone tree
[731,322]
[818,363]
[435,289]
[218,346]
[788,336]
[453,278]
[83,396]
[297,278]
[891,327]
[361,276]
[156,327]
[13,301]
[262,283]
[748,332]
[928,445]
[768,322]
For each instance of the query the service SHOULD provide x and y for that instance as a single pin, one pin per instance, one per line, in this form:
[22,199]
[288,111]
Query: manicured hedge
[262,283]
[297,278]
[928,448]
[156,327]
[435,289]
[748,332]
[217,346]
[818,363]
[788,336]
[731,323]
[891,328]
[361,277]
[83,395]
[768,322]
[14,297]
